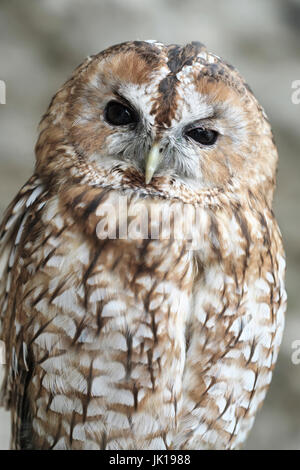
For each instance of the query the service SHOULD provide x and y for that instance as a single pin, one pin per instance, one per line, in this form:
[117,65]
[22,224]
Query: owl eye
[118,114]
[203,136]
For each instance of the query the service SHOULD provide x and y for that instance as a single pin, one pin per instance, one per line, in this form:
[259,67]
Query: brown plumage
[143,315]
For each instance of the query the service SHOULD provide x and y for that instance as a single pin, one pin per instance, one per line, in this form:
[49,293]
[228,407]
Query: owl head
[160,119]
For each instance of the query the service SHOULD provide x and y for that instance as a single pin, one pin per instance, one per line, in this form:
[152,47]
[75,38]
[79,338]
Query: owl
[142,269]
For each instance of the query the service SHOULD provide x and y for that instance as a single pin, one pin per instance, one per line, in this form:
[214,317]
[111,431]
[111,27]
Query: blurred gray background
[42,41]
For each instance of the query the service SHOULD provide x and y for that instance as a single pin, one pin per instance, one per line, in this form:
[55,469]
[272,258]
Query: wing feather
[11,232]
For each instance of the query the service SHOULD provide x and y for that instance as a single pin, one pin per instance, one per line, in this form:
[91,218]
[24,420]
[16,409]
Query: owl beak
[152,162]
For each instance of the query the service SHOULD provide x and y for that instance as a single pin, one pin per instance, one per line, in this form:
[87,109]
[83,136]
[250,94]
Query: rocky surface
[42,41]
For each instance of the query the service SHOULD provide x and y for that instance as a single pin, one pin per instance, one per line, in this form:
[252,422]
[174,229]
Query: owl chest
[116,327]
[112,327]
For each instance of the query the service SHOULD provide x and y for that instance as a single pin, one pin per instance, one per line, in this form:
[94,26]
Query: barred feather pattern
[143,343]
[122,344]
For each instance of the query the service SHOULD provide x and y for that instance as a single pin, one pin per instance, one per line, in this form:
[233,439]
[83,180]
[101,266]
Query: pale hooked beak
[152,162]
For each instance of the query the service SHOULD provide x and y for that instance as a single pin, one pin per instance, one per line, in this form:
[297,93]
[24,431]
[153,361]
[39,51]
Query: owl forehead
[165,83]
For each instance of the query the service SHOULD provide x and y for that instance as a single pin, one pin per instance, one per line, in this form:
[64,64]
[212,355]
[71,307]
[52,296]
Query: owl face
[151,113]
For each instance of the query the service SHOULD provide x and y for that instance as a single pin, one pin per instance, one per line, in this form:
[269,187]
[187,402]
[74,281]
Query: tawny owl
[119,337]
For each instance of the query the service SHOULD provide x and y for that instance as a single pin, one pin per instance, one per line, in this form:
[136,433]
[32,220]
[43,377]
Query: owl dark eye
[118,114]
[203,136]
